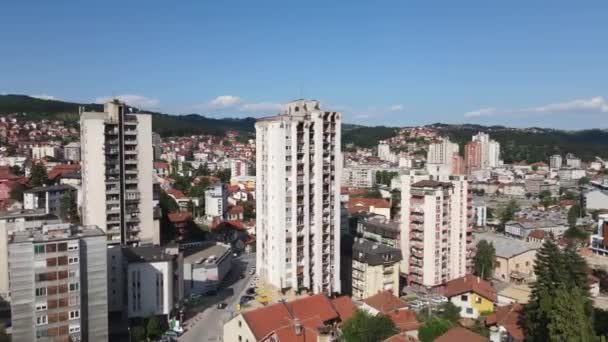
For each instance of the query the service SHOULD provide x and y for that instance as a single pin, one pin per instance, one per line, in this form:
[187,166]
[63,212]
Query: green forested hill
[164,124]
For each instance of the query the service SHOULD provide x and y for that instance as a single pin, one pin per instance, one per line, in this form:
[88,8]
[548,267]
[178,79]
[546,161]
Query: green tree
[432,329]
[364,327]
[248,210]
[546,198]
[17,192]
[507,213]
[583,181]
[38,176]
[573,214]
[568,318]
[202,170]
[484,260]
[167,203]
[181,183]
[558,275]
[154,328]
[138,333]
[224,175]
[198,190]
[449,312]
[68,209]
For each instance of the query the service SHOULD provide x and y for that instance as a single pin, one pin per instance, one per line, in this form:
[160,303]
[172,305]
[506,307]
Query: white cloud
[262,107]
[44,97]
[224,101]
[132,100]
[395,108]
[592,105]
[481,112]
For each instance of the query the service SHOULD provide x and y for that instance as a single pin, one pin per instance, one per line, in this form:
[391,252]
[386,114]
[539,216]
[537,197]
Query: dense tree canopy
[38,176]
[364,327]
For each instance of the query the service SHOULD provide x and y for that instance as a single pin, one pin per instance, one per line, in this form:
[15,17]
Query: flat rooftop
[505,247]
[203,253]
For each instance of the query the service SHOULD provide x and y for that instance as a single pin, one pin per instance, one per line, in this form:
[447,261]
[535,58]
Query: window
[41,306]
[75,314]
[40,291]
[469,311]
[516,265]
[74,329]
[41,320]
[73,274]
[39,249]
[74,287]
[464,298]
[41,333]
[240,324]
[527,263]
[240,338]
[74,300]
[72,260]
[498,264]
[62,247]
[75,248]
[51,248]
[478,300]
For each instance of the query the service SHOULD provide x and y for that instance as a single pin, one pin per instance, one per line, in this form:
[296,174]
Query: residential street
[207,321]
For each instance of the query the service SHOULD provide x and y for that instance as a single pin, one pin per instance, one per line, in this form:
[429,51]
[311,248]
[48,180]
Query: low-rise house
[180,198]
[471,294]
[514,258]
[369,205]
[314,318]
[205,266]
[375,268]
[522,228]
[71,151]
[181,221]
[514,294]
[386,303]
[235,213]
[505,325]
[596,199]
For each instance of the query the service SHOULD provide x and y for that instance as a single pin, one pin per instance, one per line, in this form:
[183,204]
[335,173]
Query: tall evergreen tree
[484,260]
[568,319]
[38,176]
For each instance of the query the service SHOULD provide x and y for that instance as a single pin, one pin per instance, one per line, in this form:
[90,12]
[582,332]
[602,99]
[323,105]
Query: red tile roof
[312,312]
[537,234]
[459,334]
[405,320]
[267,319]
[59,170]
[236,209]
[176,194]
[508,317]
[344,306]
[161,165]
[385,302]
[309,331]
[470,283]
[356,205]
[179,217]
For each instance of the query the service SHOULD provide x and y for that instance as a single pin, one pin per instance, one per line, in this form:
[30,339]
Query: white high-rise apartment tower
[555,161]
[298,173]
[442,152]
[490,150]
[117,174]
[436,234]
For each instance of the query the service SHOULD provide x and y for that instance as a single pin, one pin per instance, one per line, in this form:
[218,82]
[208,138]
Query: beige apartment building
[375,268]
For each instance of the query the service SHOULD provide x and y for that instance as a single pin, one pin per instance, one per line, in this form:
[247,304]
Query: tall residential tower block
[298,198]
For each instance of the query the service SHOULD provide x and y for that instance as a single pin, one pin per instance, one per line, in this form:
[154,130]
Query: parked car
[251,291]
[244,300]
[222,305]
[416,305]
[439,300]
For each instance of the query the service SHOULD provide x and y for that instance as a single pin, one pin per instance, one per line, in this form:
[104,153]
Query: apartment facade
[442,152]
[490,150]
[436,235]
[298,198]
[58,284]
[216,197]
[375,268]
[117,174]
[472,156]
[555,161]
[48,198]
[359,177]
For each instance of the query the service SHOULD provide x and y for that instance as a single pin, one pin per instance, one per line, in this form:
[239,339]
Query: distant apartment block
[482,153]
[436,235]
[555,161]
[442,153]
[298,169]
[71,151]
[359,177]
[216,200]
[48,198]
[58,284]
[117,174]
[599,240]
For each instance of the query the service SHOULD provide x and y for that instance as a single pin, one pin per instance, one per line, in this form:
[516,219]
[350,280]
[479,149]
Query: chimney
[298,327]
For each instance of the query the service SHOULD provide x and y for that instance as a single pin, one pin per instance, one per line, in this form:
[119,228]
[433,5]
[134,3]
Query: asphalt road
[206,321]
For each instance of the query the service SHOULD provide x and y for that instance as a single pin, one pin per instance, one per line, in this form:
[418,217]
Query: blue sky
[518,63]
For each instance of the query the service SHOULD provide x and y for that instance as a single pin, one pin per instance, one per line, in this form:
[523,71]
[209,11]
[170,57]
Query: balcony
[131,142]
[417,254]
[131,161]
[130,131]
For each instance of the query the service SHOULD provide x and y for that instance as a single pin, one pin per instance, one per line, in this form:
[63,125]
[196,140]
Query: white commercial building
[239,167]
[39,152]
[298,198]
[490,150]
[216,198]
[384,151]
[436,234]
[117,174]
[572,161]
